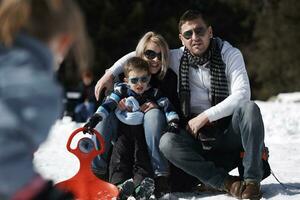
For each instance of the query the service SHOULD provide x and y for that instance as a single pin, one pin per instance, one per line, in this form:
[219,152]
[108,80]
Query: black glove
[49,192]
[92,122]
[173,127]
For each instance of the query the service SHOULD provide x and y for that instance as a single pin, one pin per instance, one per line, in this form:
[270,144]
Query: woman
[153,48]
[35,36]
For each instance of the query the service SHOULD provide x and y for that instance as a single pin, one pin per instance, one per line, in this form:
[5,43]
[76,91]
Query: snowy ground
[282,129]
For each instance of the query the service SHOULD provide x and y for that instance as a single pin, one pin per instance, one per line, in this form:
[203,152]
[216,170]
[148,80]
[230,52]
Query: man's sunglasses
[199,32]
[142,79]
[150,54]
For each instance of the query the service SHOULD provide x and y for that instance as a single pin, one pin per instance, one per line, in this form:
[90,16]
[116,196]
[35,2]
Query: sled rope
[265,156]
[284,185]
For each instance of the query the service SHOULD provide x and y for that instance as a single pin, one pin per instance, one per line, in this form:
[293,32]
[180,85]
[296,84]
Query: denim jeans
[154,123]
[245,132]
[108,128]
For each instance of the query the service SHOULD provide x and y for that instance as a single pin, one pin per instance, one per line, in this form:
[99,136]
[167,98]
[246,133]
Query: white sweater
[199,80]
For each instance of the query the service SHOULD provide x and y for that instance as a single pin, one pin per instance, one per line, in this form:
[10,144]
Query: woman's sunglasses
[150,54]
[199,32]
[142,79]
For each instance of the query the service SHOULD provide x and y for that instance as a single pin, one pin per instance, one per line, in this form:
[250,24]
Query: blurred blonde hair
[44,19]
[163,45]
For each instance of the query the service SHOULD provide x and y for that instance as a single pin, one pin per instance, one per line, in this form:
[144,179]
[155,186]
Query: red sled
[85,185]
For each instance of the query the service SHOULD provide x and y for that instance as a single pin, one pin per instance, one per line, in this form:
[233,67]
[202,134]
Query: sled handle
[92,153]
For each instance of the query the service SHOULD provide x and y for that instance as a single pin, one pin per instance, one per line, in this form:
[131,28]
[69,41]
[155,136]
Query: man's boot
[229,180]
[252,190]
[245,190]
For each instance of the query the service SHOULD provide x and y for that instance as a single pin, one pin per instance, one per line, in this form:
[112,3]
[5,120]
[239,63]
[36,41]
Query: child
[130,166]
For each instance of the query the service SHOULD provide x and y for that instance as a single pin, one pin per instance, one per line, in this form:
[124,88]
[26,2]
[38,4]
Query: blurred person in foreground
[35,37]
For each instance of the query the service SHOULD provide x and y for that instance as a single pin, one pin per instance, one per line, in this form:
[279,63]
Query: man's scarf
[218,80]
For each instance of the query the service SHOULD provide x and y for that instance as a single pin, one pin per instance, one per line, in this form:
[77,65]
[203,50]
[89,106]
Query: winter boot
[229,182]
[246,190]
[252,190]
[145,189]
[126,189]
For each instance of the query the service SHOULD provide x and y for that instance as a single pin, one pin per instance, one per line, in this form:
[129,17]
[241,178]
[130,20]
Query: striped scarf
[219,86]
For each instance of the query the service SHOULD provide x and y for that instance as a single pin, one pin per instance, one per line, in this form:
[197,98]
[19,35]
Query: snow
[288,97]
[282,136]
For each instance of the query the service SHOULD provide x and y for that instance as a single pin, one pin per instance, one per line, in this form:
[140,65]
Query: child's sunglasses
[135,80]
[150,54]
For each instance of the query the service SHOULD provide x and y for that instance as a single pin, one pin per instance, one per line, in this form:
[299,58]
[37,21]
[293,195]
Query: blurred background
[266,31]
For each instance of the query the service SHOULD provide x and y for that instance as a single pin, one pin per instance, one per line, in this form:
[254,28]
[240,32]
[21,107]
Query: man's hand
[148,106]
[91,124]
[196,123]
[106,81]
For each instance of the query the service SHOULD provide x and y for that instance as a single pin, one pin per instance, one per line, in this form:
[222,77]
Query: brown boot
[245,190]
[252,190]
[229,180]
[237,189]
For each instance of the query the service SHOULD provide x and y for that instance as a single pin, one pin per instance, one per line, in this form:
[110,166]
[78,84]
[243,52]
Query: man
[220,120]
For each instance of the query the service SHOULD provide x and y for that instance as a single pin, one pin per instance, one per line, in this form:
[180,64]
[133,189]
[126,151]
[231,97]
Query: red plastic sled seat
[85,185]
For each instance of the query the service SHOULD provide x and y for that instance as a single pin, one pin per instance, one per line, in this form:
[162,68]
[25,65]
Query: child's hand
[148,106]
[91,124]
[122,104]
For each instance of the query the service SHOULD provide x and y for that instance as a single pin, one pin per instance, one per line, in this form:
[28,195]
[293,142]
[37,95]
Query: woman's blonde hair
[163,45]
[45,19]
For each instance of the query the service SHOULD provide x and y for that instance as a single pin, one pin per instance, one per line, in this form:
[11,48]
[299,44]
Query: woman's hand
[106,81]
[148,106]
[195,124]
